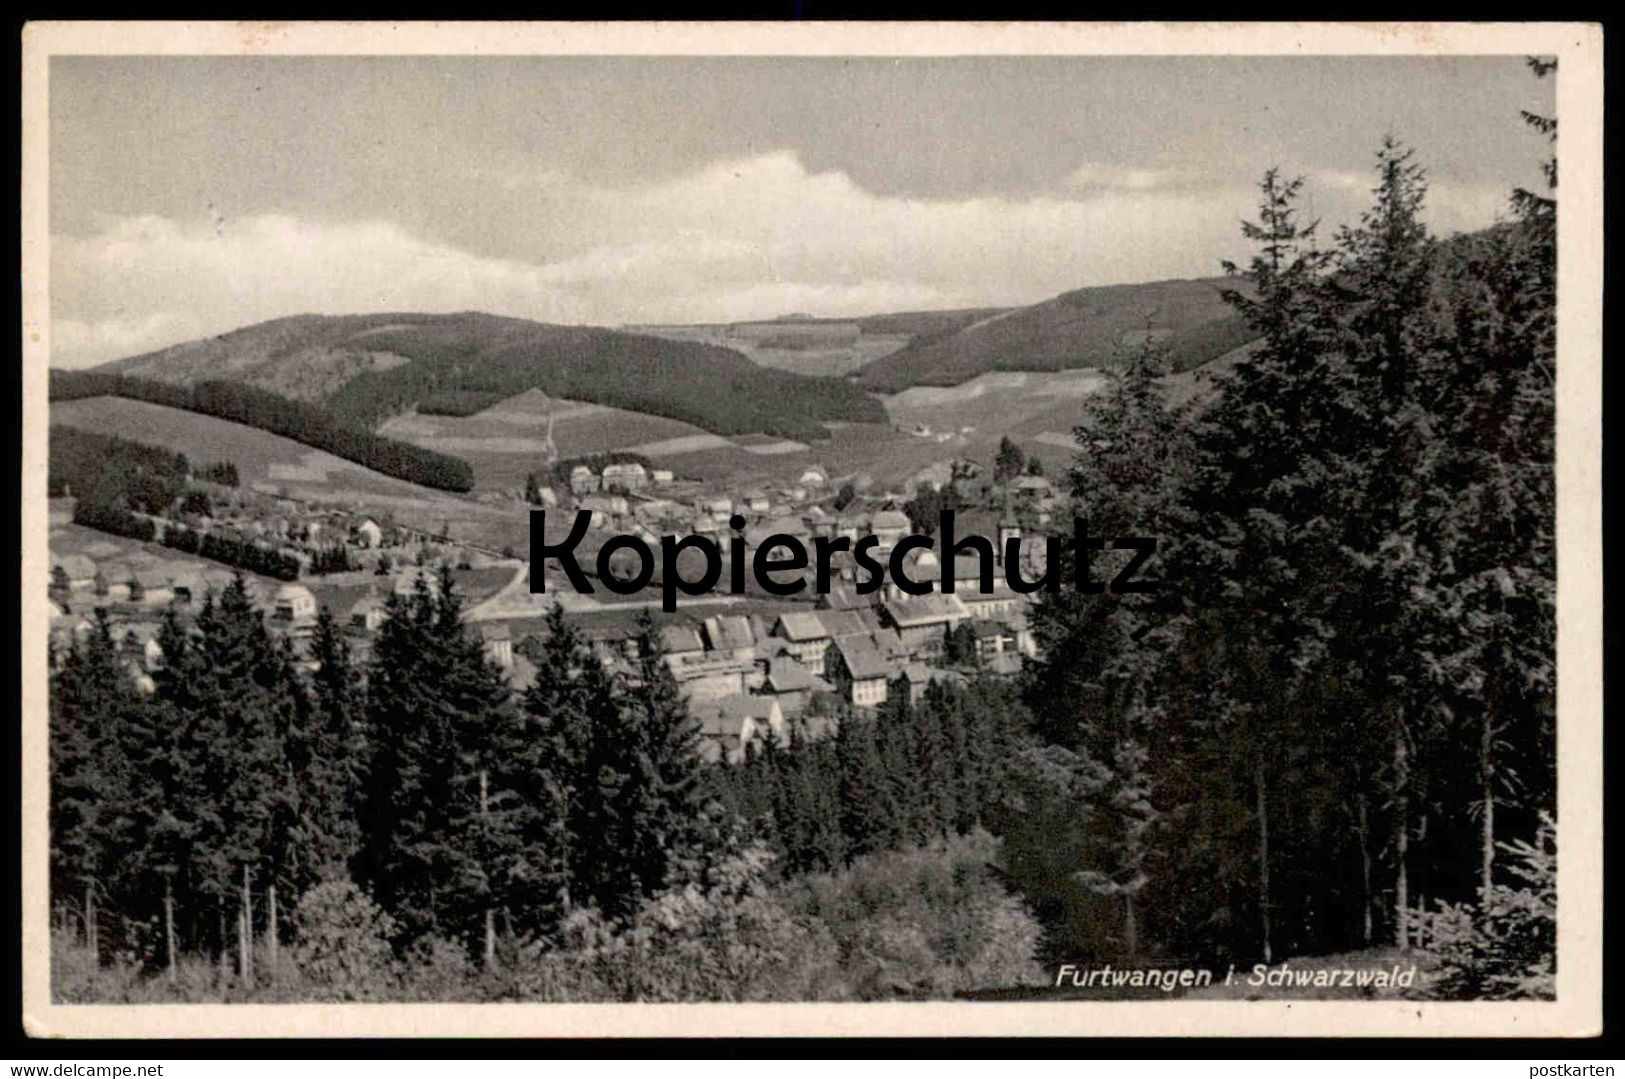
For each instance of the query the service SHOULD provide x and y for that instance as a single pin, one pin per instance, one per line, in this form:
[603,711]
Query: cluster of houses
[787,663]
[134,596]
[800,507]
[628,476]
[743,675]
[800,663]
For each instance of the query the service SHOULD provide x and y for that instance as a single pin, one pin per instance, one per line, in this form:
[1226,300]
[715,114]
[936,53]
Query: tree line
[1339,713]
[305,423]
[236,551]
[468,811]
[912,773]
[410,825]
[114,472]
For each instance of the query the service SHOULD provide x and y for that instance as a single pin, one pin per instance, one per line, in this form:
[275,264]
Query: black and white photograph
[683,519]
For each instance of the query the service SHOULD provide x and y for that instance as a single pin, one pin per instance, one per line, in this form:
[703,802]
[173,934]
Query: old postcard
[685,529]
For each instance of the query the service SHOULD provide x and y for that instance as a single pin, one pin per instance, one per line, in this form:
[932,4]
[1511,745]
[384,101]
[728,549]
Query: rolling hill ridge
[1088,327]
[363,369]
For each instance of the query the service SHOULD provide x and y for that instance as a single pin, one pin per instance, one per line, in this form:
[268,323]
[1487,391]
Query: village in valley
[747,665]
[578,529]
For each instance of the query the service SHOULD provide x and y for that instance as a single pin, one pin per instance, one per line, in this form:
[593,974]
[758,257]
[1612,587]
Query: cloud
[750,238]
[1106,177]
[145,282]
[1450,206]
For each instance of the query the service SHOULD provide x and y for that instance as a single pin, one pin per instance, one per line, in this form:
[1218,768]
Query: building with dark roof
[922,621]
[792,684]
[731,724]
[858,669]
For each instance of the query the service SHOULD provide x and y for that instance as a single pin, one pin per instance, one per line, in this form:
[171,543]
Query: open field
[507,441]
[998,402]
[503,442]
[261,458]
[276,465]
[843,355]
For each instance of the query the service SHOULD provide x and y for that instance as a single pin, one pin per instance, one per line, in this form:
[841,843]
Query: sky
[194,195]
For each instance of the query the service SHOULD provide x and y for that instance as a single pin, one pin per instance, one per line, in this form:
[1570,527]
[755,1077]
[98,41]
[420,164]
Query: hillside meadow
[274,465]
[1090,327]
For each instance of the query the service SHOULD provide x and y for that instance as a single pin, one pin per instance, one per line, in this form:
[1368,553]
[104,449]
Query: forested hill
[1090,327]
[365,368]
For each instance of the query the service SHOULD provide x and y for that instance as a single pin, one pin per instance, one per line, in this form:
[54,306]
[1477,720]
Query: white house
[368,533]
[729,725]
[609,505]
[114,580]
[583,480]
[857,667]
[629,476]
[806,637]
[890,526]
[497,643]
[80,571]
[367,613]
[293,603]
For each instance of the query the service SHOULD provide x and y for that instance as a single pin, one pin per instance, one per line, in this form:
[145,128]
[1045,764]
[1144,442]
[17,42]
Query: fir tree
[331,760]
[868,817]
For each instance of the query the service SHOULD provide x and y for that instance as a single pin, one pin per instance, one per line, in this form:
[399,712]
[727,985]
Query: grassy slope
[260,456]
[269,462]
[1085,328]
[506,442]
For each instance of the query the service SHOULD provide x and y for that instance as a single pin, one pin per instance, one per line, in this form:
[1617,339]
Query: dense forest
[1338,713]
[109,471]
[305,423]
[460,402]
[414,823]
[1331,730]
[480,357]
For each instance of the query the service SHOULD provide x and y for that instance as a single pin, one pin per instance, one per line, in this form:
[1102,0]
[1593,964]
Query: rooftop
[842,623]
[788,675]
[680,639]
[802,626]
[862,657]
[925,610]
[728,631]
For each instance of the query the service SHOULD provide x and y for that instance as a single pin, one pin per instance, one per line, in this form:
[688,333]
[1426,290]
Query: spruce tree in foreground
[443,817]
